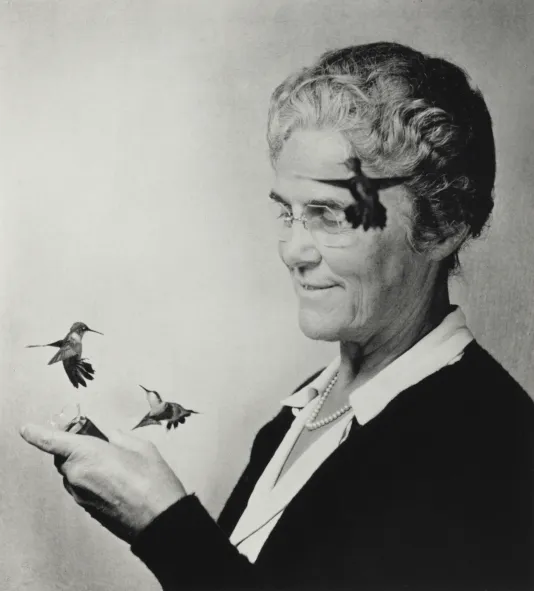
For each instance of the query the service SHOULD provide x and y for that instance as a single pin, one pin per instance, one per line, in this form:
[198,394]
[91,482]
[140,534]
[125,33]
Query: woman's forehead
[314,154]
[309,155]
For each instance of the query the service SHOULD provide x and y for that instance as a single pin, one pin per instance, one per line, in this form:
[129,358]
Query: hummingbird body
[160,411]
[70,353]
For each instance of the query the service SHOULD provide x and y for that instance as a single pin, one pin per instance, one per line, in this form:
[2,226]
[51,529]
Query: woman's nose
[300,248]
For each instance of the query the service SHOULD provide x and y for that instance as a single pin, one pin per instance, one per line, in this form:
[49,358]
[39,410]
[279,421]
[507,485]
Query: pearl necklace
[311,423]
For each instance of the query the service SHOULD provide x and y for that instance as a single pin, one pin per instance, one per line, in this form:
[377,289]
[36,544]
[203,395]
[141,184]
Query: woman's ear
[444,247]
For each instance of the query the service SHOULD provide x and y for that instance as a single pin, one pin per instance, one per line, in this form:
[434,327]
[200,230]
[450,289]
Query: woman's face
[362,292]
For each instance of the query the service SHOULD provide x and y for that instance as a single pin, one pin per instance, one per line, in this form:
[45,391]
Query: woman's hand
[124,484]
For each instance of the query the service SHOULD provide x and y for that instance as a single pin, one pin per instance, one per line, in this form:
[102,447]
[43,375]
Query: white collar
[440,347]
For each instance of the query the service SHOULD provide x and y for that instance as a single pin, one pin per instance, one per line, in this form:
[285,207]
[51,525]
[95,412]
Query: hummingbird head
[153,397]
[81,328]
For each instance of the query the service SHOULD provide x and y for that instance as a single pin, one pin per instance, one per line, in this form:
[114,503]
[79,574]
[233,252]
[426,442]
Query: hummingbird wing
[77,369]
[66,351]
[145,421]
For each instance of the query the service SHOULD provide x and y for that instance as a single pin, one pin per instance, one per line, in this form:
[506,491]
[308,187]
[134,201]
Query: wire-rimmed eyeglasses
[332,225]
[328,226]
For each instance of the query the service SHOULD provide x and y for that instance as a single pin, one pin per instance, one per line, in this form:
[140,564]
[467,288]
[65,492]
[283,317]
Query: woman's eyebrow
[328,202]
[318,201]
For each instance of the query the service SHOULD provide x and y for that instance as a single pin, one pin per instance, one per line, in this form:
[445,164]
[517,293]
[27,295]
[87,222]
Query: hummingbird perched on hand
[70,352]
[172,412]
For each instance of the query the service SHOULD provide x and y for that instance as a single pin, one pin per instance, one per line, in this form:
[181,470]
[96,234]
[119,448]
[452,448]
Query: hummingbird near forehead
[70,353]
[160,410]
[367,210]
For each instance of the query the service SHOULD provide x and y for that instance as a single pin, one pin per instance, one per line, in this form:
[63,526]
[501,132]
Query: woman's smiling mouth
[318,288]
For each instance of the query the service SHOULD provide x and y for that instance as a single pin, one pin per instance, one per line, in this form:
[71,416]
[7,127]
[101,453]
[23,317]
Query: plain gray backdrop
[134,178]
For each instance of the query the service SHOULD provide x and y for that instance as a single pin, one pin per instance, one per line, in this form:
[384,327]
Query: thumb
[49,440]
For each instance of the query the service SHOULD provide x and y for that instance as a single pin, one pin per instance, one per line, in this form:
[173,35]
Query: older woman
[408,461]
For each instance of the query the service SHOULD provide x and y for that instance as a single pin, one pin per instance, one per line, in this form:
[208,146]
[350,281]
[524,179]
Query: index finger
[50,440]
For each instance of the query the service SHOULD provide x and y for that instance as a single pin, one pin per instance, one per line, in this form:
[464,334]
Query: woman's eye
[334,217]
[280,211]
[284,214]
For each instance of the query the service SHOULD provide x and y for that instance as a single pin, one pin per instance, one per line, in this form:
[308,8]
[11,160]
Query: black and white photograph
[266,295]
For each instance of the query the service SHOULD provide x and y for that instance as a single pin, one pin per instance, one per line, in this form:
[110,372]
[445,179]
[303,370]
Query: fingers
[49,440]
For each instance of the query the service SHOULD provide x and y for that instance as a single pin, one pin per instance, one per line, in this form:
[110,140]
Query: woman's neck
[360,362]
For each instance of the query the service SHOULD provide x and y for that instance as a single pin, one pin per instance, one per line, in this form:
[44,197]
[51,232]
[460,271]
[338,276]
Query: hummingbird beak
[91,330]
[147,391]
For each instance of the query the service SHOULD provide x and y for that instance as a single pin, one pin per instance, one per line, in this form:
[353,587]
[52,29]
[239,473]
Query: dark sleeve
[185,549]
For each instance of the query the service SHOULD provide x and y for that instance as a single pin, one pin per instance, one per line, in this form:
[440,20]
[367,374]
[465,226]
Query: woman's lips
[315,288]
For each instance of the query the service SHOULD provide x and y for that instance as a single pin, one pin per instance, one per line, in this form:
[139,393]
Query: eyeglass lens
[327,227]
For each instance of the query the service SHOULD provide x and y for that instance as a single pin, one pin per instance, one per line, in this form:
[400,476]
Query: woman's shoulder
[479,369]
[478,393]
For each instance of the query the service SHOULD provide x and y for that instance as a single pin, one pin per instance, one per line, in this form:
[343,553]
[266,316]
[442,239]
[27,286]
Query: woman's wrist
[157,502]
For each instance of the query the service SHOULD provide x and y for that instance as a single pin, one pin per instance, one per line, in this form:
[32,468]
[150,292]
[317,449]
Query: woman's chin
[319,329]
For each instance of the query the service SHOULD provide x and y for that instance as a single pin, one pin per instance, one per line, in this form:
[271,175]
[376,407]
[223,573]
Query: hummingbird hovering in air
[172,412]
[70,352]
[367,210]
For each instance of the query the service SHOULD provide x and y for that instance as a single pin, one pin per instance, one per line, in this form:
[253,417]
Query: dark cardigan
[436,492]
